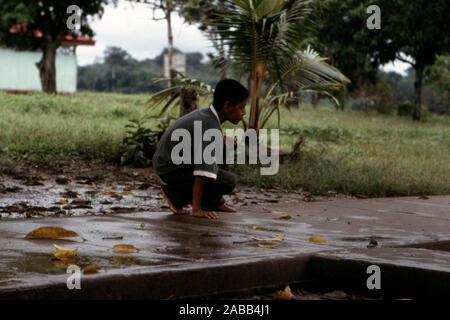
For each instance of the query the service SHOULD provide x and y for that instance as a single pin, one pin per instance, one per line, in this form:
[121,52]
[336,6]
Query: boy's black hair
[229,90]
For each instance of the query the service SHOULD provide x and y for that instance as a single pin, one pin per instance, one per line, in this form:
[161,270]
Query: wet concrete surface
[182,256]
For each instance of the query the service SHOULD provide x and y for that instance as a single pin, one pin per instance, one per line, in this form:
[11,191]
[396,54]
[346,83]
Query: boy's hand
[199,213]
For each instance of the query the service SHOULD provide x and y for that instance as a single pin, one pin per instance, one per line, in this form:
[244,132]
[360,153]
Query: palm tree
[263,37]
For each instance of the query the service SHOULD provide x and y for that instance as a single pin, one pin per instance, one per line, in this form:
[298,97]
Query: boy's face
[235,113]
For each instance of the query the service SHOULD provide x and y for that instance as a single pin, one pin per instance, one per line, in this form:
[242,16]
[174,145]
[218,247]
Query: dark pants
[180,183]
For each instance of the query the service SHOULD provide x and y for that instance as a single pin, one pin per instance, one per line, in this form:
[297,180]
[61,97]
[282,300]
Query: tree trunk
[189,101]
[258,77]
[418,81]
[170,36]
[47,69]
[113,78]
[315,99]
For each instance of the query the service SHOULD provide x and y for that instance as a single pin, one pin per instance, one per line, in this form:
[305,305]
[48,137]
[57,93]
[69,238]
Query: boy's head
[230,99]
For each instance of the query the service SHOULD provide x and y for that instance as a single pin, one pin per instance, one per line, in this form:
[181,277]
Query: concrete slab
[182,256]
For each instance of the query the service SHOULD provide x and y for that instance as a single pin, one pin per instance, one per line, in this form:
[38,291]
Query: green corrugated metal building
[18,71]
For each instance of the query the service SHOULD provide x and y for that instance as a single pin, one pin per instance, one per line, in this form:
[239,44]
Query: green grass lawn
[352,152]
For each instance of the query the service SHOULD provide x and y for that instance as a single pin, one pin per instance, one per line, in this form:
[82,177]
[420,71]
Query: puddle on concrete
[364,239]
[363,217]
[434,245]
[421,214]
[40,263]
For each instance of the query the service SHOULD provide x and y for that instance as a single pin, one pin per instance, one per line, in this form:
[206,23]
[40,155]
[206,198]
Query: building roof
[68,39]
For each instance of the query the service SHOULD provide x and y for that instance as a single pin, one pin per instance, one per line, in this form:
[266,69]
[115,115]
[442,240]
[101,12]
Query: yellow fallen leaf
[317,239]
[51,233]
[269,245]
[91,269]
[284,293]
[279,238]
[63,201]
[108,192]
[127,193]
[125,248]
[258,227]
[63,253]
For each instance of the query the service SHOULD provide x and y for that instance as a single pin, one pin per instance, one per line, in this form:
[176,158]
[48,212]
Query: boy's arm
[197,194]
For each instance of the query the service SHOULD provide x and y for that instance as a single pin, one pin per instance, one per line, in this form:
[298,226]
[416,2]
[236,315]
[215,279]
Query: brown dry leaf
[109,192]
[317,239]
[63,201]
[63,264]
[51,233]
[284,216]
[279,238]
[92,268]
[258,227]
[424,197]
[63,253]
[125,248]
[127,193]
[62,180]
[284,293]
[268,244]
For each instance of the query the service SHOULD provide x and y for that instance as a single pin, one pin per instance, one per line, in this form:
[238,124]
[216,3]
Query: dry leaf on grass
[317,239]
[63,253]
[91,269]
[63,202]
[51,233]
[125,248]
[109,192]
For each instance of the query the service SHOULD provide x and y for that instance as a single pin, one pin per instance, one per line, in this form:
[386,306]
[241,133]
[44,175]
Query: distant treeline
[119,72]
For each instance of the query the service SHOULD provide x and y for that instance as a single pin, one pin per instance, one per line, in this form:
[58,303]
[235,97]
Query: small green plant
[405,108]
[141,142]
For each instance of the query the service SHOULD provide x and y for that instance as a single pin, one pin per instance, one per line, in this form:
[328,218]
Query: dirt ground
[30,192]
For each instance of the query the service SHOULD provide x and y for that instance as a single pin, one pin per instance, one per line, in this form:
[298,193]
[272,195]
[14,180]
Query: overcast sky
[130,26]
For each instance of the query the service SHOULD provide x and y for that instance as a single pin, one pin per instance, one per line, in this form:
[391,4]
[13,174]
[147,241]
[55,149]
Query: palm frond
[170,97]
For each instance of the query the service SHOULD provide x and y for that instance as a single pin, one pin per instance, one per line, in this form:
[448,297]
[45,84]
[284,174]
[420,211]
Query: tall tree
[263,36]
[42,25]
[189,97]
[115,56]
[414,32]
[201,12]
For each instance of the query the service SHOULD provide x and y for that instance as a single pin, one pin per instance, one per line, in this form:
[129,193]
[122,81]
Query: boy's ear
[227,106]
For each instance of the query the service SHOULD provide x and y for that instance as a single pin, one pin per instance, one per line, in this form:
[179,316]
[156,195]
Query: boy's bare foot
[172,207]
[222,208]
[204,214]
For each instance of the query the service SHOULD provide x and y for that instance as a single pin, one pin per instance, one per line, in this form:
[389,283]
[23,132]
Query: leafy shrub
[140,143]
